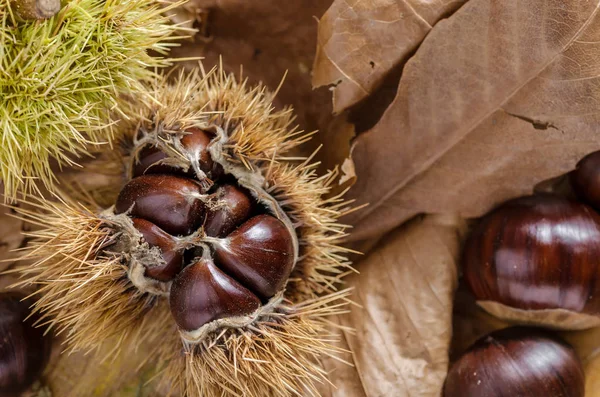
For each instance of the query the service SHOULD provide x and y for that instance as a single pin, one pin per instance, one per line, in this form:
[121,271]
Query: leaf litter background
[434,111]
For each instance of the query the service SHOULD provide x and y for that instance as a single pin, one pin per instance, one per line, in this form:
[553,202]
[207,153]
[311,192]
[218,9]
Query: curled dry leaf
[403,325]
[500,96]
[552,318]
[359,42]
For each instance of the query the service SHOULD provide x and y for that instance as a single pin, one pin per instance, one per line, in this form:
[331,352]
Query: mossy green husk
[62,78]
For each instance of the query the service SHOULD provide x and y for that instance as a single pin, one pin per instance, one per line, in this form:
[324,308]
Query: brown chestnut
[233,207]
[536,252]
[585,179]
[524,362]
[170,202]
[202,293]
[24,349]
[147,160]
[171,254]
[196,142]
[259,254]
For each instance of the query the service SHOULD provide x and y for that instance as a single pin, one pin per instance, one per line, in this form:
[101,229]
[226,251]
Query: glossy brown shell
[536,252]
[523,362]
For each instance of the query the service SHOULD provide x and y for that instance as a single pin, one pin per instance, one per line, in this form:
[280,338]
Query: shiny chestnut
[148,162]
[585,179]
[24,349]
[170,202]
[171,253]
[195,142]
[536,252]
[202,293]
[524,362]
[259,253]
[232,205]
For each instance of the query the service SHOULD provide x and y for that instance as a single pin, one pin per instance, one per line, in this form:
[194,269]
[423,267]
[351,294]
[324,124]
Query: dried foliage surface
[403,322]
[361,41]
[500,96]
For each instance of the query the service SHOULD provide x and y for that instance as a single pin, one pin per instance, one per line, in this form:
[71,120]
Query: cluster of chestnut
[222,251]
[534,253]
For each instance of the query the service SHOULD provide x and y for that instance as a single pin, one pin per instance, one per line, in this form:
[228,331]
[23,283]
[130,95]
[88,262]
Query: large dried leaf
[500,96]
[403,325]
[361,41]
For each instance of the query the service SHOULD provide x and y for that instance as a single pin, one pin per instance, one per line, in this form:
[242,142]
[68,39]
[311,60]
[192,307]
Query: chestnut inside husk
[220,252]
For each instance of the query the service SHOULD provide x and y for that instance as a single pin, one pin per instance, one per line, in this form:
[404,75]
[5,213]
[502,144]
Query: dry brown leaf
[403,327]
[592,380]
[361,41]
[499,97]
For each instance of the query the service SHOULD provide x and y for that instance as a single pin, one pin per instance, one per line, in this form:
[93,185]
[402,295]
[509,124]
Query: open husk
[84,286]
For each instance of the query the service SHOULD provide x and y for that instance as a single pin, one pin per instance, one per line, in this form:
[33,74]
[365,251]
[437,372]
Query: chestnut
[195,142]
[536,252]
[168,201]
[202,293]
[585,179]
[171,254]
[24,349]
[146,162]
[259,254]
[233,206]
[518,361]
